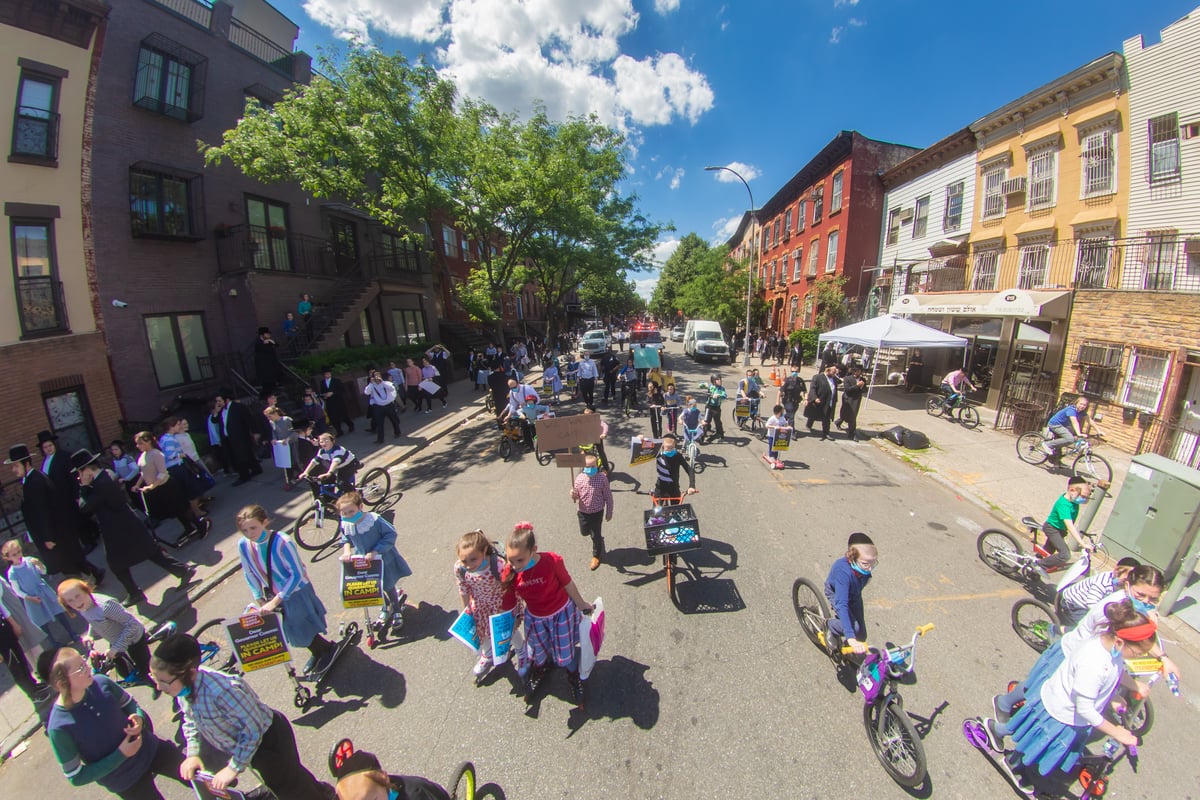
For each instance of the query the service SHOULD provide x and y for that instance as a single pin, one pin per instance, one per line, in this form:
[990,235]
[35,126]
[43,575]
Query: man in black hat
[329,389]
[266,361]
[48,520]
[843,589]
[55,467]
[236,428]
[127,540]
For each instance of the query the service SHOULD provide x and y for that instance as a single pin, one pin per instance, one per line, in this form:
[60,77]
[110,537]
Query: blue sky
[760,85]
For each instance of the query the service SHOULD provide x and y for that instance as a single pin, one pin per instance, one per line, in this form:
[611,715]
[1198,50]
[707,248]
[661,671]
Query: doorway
[1185,441]
[343,237]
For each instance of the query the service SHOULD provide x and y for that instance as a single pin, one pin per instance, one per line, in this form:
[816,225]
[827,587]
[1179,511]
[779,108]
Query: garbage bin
[1027,416]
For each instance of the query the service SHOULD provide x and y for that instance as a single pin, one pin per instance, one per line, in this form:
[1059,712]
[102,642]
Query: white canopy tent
[891,331]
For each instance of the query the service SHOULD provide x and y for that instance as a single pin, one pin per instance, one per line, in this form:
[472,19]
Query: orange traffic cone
[775,377]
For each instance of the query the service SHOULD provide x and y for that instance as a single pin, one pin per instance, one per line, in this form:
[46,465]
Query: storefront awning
[1009,303]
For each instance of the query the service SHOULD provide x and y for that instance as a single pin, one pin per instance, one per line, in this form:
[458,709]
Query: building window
[1043,169]
[409,325]
[268,229]
[783,272]
[787,223]
[983,277]
[163,204]
[801,210]
[766,237]
[920,217]
[39,293]
[952,218]
[793,311]
[814,257]
[1034,260]
[70,418]
[893,228]
[1091,268]
[1099,365]
[449,242]
[993,193]
[835,195]
[1099,164]
[1158,261]
[808,311]
[775,235]
[396,254]
[1145,379]
[170,79]
[178,347]
[35,122]
[831,255]
[818,198]
[1164,148]
[797,261]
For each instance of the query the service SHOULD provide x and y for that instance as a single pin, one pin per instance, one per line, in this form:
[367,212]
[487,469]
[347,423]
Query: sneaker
[998,713]
[595,563]
[482,665]
[576,687]
[1049,451]
[533,681]
[1017,775]
[995,739]
[1041,573]
[384,619]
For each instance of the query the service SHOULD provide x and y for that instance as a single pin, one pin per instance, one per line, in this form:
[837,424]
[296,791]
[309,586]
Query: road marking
[966,523]
[887,602]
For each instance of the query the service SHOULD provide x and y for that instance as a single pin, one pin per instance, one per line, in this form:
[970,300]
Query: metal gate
[1026,402]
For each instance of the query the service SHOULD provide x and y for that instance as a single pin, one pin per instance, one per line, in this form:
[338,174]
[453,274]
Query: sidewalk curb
[231,566]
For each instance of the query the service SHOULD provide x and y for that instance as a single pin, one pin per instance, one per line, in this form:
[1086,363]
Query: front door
[344,240]
[1185,444]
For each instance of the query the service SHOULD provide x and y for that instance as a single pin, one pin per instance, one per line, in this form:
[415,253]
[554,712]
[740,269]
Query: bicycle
[310,531]
[751,422]
[893,738]
[691,447]
[1086,464]
[127,674]
[967,416]
[344,760]
[512,431]
[216,651]
[1037,622]
[1001,551]
[671,527]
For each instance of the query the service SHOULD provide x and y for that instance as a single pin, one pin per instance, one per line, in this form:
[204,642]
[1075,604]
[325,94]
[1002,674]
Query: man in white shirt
[517,394]
[588,372]
[381,398]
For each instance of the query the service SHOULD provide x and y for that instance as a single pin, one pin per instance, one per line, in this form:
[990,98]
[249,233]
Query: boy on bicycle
[749,389]
[843,589]
[1069,423]
[1060,523]
[693,428]
[666,468]
[953,385]
[334,462]
[628,377]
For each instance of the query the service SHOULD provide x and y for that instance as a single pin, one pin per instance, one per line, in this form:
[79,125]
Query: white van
[704,340]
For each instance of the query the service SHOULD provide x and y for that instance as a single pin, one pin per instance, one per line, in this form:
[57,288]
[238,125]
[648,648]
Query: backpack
[792,388]
[460,571]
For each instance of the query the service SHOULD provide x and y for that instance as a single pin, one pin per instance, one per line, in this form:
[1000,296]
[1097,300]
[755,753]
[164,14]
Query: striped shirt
[227,714]
[109,621]
[1082,595]
[594,493]
[287,570]
[171,450]
[667,469]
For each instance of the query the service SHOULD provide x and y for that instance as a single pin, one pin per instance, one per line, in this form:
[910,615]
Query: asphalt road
[722,696]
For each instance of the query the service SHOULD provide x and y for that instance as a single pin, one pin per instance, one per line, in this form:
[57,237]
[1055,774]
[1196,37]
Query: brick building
[52,340]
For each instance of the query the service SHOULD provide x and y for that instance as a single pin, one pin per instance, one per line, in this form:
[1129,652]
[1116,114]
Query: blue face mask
[393,794]
[1141,606]
[590,470]
[265,534]
[185,692]
[1116,651]
[532,560]
[1081,500]
[668,452]
[354,517]
[854,566]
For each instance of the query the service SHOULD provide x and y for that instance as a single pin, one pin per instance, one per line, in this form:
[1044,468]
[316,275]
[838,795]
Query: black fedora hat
[46,436]
[81,458]
[17,453]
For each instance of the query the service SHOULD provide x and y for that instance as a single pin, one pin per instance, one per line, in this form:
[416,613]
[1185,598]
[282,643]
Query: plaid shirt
[227,713]
[594,493]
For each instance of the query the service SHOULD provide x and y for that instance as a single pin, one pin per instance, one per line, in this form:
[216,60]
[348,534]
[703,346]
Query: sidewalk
[216,555]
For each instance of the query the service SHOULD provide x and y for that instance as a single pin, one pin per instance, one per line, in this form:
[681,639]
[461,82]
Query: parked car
[596,342]
[677,333]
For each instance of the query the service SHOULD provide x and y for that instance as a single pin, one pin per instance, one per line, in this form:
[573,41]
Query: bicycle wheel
[505,448]
[811,609]
[968,417]
[216,651]
[1139,720]
[311,535]
[1035,623]
[999,550]
[375,486]
[1029,448]
[542,458]
[1092,467]
[462,785]
[693,457]
[934,407]
[895,742]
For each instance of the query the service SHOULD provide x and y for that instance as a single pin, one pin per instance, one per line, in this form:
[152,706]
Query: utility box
[1156,515]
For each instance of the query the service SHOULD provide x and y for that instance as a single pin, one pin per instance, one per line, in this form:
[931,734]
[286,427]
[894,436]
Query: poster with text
[502,634]
[643,449]
[258,641]
[463,629]
[783,438]
[362,583]
[202,786]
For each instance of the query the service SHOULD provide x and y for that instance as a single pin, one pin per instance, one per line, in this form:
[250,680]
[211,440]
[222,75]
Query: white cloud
[835,35]
[855,22]
[725,228]
[644,287]
[840,3]
[565,54]
[747,171]
[677,178]
[662,250]
[665,7]
[674,174]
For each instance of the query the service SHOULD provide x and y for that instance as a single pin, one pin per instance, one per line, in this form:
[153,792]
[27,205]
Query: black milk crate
[672,530]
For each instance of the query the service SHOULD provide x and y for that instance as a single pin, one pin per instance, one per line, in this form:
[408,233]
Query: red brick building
[824,221]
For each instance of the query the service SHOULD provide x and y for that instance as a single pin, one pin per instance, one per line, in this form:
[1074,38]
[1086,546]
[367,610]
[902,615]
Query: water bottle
[1173,683]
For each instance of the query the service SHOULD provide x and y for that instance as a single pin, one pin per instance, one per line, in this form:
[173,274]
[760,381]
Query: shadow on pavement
[355,680]
[616,689]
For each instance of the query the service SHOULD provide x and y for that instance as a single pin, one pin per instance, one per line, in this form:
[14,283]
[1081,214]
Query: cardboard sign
[563,433]
[502,634]
[202,786]
[782,439]
[362,583]
[741,408]
[258,641]
[463,629]
[574,460]
[643,449]
[645,358]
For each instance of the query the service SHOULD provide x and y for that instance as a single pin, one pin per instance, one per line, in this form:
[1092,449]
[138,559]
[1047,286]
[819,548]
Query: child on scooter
[552,607]
[365,533]
[477,573]
[278,581]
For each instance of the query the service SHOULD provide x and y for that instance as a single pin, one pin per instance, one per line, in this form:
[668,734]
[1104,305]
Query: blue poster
[502,632]
[463,629]
[645,358]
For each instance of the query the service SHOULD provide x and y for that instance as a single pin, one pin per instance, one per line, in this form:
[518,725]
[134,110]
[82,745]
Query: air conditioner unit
[1013,186]
[1192,246]
[904,214]
[814,195]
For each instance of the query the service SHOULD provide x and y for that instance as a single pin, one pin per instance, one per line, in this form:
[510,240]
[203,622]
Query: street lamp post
[757,247]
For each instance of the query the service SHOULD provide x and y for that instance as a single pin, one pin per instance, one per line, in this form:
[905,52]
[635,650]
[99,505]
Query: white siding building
[1164,153]
[928,205]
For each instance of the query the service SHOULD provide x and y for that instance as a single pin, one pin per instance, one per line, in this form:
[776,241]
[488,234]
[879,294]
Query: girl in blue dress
[279,583]
[27,578]
[365,533]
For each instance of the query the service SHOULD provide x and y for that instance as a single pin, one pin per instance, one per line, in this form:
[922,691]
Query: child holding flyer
[477,573]
[775,423]
[366,534]
[552,607]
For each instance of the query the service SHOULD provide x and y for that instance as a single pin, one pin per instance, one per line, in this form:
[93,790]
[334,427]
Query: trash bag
[894,435]
[913,440]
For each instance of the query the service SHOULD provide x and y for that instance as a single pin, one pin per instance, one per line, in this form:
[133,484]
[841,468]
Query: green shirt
[1064,509]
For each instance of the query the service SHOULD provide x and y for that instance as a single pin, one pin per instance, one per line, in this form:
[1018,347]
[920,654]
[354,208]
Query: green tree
[610,293]
[676,273]
[830,301]
[716,290]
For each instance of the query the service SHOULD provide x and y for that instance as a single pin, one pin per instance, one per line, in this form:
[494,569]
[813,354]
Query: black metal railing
[197,11]
[251,41]
[35,133]
[242,248]
[41,305]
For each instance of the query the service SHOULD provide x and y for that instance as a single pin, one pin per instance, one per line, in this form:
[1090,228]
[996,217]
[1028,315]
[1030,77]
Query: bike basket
[870,677]
[672,530]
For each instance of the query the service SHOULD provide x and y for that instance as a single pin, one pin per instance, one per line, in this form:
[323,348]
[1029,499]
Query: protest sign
[783,438]
[574,460]
[502,634]
[563,433]
[202,786]
[362,583]
[463,629]
[258,641]
[643,449]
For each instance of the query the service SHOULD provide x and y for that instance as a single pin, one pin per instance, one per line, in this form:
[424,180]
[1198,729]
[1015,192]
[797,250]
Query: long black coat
[127,540]
[852,395]
[238,434]
[66,500]
[335,404]
[47,520]
[819,389]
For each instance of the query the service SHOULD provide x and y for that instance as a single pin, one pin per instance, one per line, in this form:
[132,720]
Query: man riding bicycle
[953,385]
[518,394]
[748,388]
[1068,424]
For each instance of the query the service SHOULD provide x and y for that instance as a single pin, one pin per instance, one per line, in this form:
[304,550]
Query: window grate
[1099,164]
[983,279]
[1097,382]
[1091,269]
[1164,148]
[1146,379]
[1034,261]
[1100,354]
[993,193]
[1042,168]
